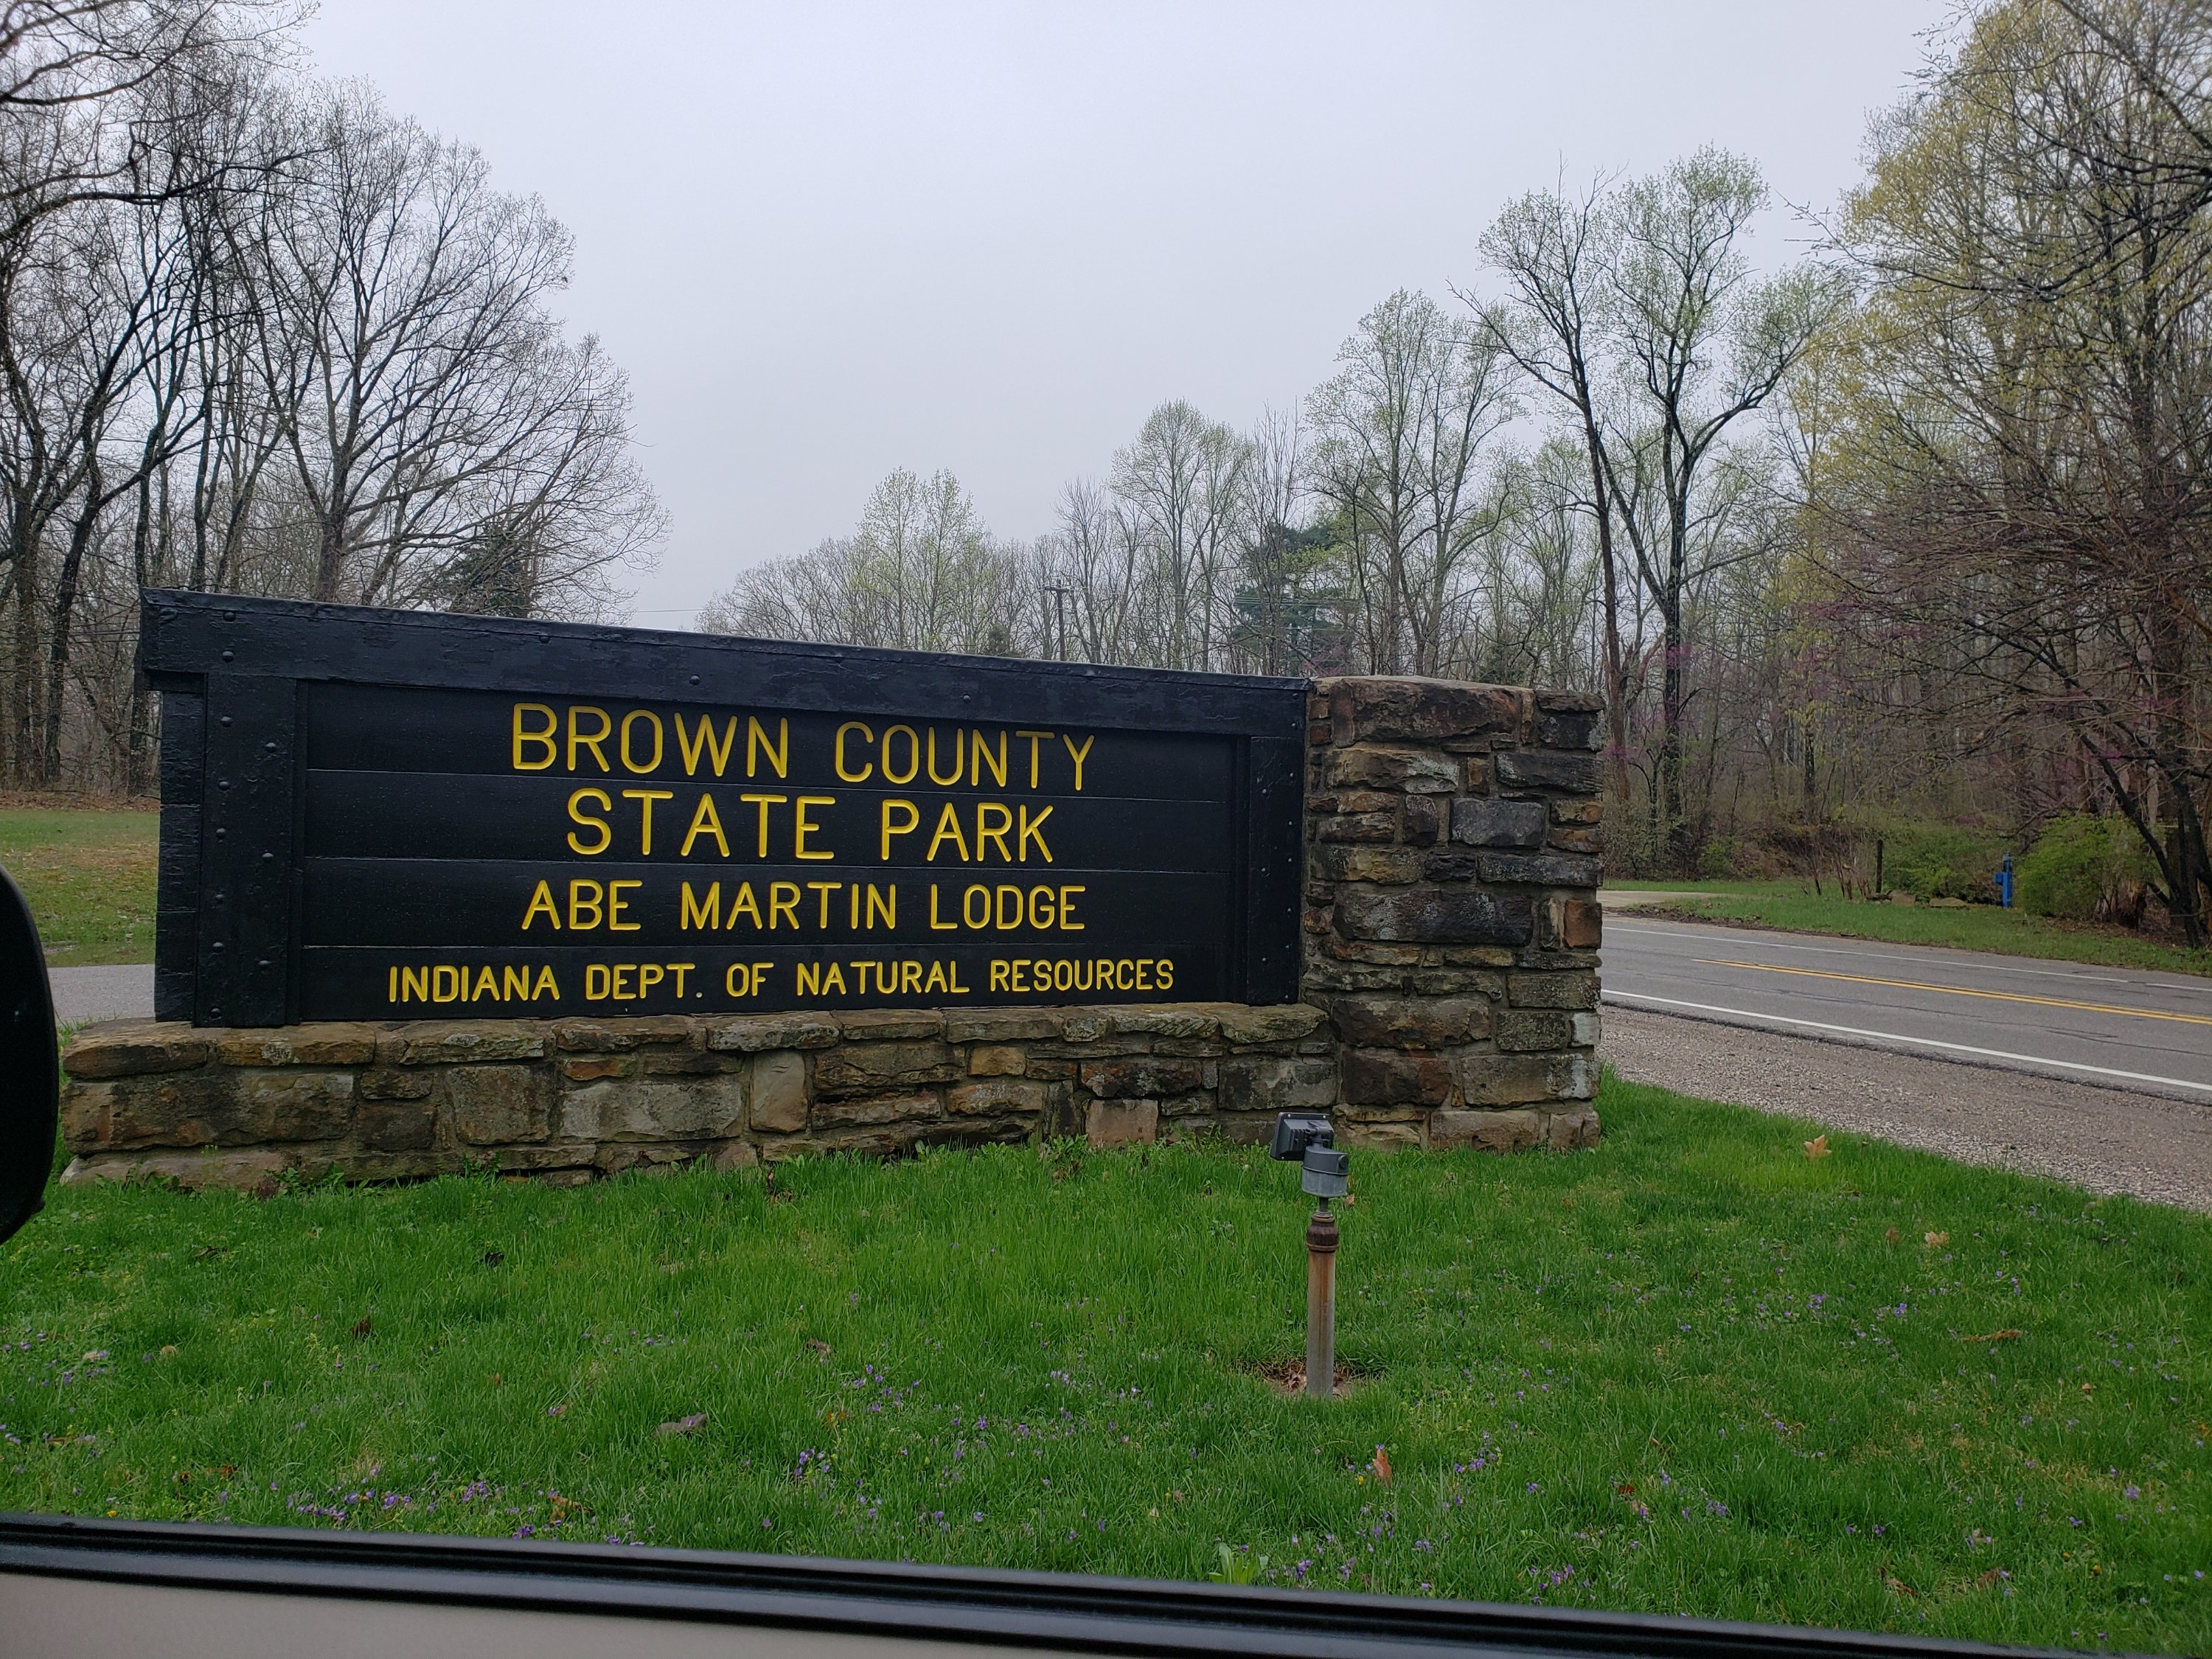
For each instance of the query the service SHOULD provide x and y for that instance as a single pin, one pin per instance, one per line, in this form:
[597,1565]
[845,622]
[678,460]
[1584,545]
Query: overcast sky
[831,240]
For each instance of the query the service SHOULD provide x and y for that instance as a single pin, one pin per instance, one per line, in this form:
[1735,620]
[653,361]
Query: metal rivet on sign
[226,719]
[214,1013]
[222,783]
[219,898]
[220,834]
[217,946]
[230,615]
[694,679]
[268,858]
[227,655]
[270,747]
[264,963]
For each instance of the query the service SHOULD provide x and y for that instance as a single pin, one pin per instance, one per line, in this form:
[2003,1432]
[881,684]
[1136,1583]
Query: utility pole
[1060,605]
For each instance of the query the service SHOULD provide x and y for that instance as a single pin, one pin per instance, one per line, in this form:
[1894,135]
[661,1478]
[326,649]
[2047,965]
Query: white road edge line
[1892,1036]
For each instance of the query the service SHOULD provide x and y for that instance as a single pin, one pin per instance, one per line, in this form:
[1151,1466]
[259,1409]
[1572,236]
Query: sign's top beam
[187,634]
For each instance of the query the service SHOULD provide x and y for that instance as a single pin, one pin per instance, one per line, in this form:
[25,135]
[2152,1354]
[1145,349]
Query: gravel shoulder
[2106,1139]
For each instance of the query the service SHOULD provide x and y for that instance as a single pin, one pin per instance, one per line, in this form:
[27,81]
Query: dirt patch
[1288,1376]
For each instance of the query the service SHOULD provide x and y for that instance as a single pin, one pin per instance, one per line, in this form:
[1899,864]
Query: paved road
[82,995]
[2120,1027]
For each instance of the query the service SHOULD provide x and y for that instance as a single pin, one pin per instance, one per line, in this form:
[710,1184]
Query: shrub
[1941,860]
[2085,869]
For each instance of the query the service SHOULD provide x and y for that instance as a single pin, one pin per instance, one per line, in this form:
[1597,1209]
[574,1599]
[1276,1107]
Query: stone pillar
[1451,916]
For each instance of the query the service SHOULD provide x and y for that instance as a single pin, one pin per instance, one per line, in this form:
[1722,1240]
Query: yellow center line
[1959,991]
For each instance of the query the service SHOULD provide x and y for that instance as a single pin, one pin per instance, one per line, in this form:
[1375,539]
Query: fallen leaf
[1891,1234]
[1381,1465]
[1936,1241]
[819,1345]
[2089,1387]
[360,1330]
[682,1425]
[1989,1578]
[1817,1146]
[1626,1489]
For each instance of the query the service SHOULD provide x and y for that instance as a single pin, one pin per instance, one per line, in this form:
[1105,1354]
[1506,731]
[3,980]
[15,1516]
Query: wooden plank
[188,633]
[1271,900]
[248,866]
[351,815]
[448,901]
[364,983]
[177,889]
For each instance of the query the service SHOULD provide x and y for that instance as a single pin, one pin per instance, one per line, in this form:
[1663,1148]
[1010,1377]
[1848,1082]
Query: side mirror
[30,1064]
[1296,1131]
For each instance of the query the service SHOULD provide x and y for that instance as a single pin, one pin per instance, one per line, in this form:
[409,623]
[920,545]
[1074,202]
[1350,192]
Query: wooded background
[1893,529]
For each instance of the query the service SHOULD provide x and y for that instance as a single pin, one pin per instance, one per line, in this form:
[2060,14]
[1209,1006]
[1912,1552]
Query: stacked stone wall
[1452,923]
[574,1099]
[1448,983]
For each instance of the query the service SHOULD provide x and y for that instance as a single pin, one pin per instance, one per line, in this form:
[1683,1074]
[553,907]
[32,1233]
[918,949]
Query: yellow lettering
[680,969]
[623,992]
[1078,754]
[959,739]
[978,756]
[745,905]
[997,975]
[414,985]
[936,980]
[649,975]
[1067,922]
[645,797]
[1144,966]
[543,739]
[987,831]
[630,720]
[867,768]
[1035,738]
[757,742]
[763,802]
[606,831]
[1036,829]
[692,744]
[941,927]
[514,985]
[913,755]
[802,826]
[486,984]
[1165,971]
[584,898]
[596,979]
[579,739]
[913,819]
[833,983]
[1049,916]
[547,986]
[783,900]
[956,987]
[909,979]
[1019,980]
[705,821]
[948,828]
[809,980]
[446,984]
[542,900]
[824,888]
[692,914]
[1006,924]
[968,907]
[884,902]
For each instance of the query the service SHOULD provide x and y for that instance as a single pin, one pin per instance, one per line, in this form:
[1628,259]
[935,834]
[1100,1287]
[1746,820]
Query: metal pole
[1321,1304]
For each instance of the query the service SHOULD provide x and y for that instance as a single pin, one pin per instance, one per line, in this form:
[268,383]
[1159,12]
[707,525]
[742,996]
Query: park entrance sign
[388,815]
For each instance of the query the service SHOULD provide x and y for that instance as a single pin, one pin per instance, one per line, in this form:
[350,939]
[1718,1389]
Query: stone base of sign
[1452,923]
[1449,986]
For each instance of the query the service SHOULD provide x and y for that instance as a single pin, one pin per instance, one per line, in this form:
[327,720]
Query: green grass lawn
[89,878]
[1789,904]
[1691,1371]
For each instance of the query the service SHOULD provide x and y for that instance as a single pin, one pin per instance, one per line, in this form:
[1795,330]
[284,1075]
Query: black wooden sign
[375,814]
